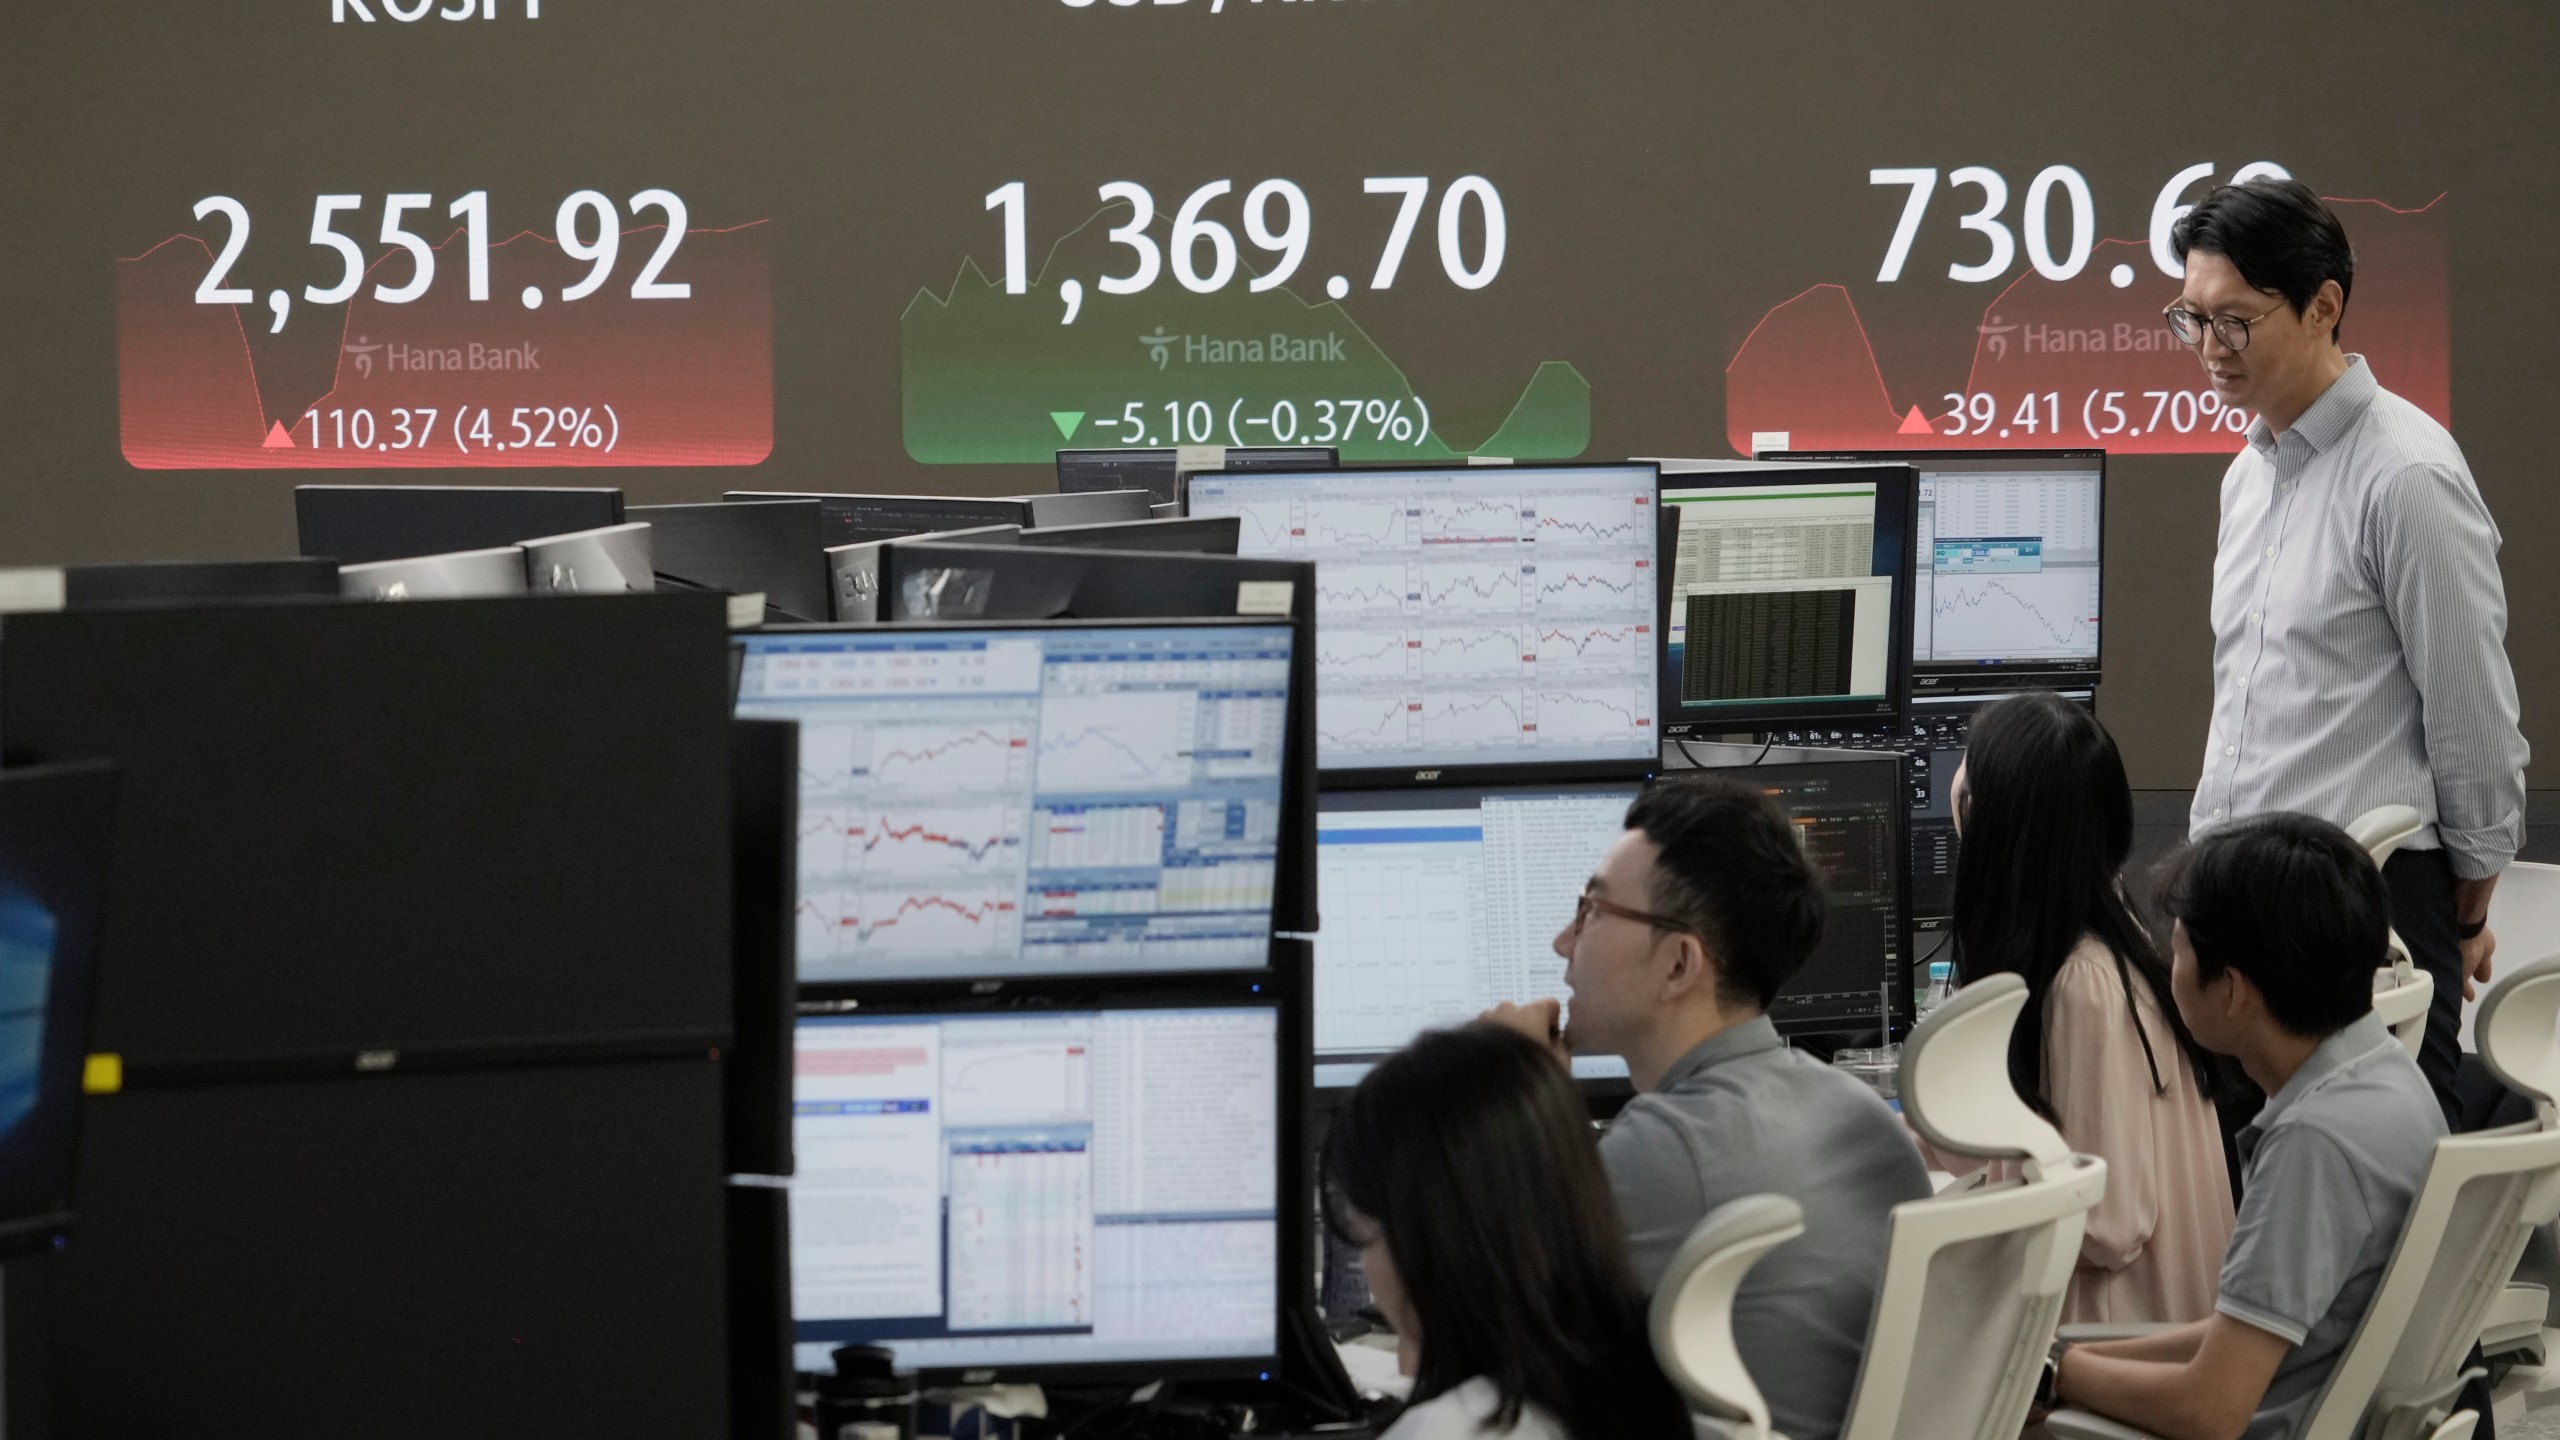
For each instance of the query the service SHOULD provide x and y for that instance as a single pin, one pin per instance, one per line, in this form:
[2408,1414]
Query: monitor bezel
[1968,677]
[1897,486]
[1276,992]
[1296,811]
[1370,777]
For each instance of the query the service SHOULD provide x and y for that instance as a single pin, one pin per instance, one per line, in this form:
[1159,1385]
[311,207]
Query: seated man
[2280,925]
[1702,910]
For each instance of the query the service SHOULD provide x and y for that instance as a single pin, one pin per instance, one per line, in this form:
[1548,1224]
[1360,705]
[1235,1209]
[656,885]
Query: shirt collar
[2329,418]
[1751,1037]
[2361,1040]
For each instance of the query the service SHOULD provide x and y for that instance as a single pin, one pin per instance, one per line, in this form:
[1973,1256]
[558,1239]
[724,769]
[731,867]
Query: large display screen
[1468,617]
[544,234]
[1031,802]
[1037,1191]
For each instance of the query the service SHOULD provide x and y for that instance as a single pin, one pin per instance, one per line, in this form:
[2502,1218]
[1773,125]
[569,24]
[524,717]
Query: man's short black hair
[2292,903]
[1733,869]
[2281,237]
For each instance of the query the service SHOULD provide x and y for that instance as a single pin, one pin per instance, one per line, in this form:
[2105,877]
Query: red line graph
[689,381]
[863,930]
[1810,368]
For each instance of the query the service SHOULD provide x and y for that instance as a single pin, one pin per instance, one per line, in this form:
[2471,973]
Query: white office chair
[1692,1316]
[2400,1373]
[1973,1279]
[2524,913]
[2402,993]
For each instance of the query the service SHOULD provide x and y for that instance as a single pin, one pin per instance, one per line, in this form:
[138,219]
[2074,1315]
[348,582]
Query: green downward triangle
[1067,420]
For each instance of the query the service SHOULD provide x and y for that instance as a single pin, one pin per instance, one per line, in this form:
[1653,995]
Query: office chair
[2402,993]
[1692,1314]
[1973,1279]
[2484,1192]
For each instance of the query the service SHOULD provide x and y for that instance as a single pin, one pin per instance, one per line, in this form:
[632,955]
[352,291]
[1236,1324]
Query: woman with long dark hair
[1466,1171]
[2046,824]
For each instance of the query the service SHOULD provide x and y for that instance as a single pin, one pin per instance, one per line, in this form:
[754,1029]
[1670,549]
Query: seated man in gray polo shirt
[1702,910]
[2280,925]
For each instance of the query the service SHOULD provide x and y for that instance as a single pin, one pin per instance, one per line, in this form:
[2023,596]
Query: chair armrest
[2081,1425]
[2091,1334]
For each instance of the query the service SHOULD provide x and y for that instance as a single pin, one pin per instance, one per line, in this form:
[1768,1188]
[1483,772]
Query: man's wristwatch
[2472,930]
[2051,1375]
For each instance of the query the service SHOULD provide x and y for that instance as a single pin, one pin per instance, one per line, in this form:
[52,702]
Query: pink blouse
[2152,1251]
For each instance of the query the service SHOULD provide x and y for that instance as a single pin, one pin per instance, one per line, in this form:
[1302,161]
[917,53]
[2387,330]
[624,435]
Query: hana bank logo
[364,348]
[1159,346]
[1995,337]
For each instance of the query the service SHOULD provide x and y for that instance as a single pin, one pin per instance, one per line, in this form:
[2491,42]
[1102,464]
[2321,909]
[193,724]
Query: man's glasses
[1589,905]
[2231,330]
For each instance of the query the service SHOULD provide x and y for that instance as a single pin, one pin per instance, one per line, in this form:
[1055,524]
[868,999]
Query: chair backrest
[2385,828]
[1692,1316]
[2380,831]
[1973,1280]
[2400,1375]
[2525,909]
[2402,995]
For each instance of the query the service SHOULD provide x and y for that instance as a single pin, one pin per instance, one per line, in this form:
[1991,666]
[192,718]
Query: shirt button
[2230,749]
[2217,812]
[2271,552]
[2253,617]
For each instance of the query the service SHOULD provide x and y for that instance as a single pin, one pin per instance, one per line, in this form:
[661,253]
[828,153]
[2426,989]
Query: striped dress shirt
[2359,632]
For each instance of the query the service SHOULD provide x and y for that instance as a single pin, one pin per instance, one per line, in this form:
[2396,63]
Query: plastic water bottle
[1942,977]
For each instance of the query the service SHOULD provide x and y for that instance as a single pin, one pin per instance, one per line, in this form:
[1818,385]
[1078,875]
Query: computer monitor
[353,524]
[775,548]
[1941,721]
[1088,507]
[196,582]
[1185,535]
[1160,470]
[1029,1195]
[55,824]
[2009,565]
[847,519]
[854,571]
[1440,901]
[970,583]
[1790,598]
[1034,799]
[616,560]
[463,575]
[1473,618]
[1853,817]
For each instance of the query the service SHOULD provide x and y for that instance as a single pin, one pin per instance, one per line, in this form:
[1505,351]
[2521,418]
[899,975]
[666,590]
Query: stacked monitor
[1790,598]
[1043,1080]
[1035,800]
[1852,816]
[1078,1190]
[2008,580]
[1442,902]
[1472,620]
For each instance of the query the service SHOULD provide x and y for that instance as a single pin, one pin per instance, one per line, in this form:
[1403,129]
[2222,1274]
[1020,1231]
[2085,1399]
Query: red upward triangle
[277,439]
[1914,423]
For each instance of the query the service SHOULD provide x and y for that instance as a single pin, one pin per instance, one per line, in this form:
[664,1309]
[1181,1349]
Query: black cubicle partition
[417,965]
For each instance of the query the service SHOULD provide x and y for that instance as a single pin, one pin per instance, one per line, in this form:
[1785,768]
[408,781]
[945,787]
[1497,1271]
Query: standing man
[2359,621]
